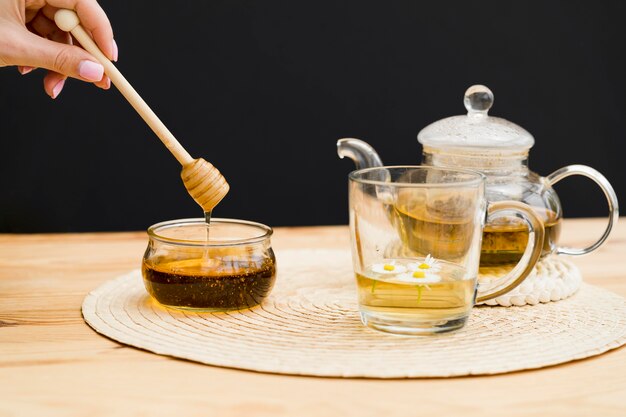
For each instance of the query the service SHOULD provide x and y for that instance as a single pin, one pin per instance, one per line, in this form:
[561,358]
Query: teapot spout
[363,155]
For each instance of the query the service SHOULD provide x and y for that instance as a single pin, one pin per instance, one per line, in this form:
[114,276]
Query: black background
[263,89]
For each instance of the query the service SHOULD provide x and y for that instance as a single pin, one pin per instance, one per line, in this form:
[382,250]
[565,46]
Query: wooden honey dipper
[203,181]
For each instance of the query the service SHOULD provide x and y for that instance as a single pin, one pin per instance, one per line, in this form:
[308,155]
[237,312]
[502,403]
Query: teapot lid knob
[478,100]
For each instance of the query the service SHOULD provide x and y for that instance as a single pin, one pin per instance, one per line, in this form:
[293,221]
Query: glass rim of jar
[477,177]
[153,232]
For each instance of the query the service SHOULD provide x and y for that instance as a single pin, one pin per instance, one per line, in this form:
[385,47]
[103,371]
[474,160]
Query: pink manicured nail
[90,70]
[25,70]
[115,51]
[57,88]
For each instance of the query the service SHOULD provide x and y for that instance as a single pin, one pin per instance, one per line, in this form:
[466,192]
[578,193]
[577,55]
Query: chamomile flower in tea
[428,287]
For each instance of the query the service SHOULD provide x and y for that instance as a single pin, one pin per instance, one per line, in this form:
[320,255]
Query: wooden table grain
[52,363]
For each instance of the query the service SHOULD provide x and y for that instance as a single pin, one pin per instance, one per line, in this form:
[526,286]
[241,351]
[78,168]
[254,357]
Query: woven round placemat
[310,326]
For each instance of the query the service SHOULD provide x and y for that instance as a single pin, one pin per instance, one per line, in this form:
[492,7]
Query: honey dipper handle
[67,20]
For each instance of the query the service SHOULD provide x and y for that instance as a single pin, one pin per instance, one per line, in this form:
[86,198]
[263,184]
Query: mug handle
[611,198]
[531,254]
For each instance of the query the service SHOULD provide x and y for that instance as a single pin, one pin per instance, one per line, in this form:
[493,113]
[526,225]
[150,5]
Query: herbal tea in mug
[416,234]
[425,288]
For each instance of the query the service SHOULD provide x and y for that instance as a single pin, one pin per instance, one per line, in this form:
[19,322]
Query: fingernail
[108,83]
[115,51]
[57,88]
[25,70]
[90,70]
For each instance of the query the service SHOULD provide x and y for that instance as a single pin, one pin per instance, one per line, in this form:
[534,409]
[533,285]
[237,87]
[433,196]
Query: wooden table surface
[52,363]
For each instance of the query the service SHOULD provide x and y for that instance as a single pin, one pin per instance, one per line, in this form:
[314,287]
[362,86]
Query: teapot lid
[476,132]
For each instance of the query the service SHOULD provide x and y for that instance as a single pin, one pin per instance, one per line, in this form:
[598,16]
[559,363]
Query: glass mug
[227,266]
[416,236]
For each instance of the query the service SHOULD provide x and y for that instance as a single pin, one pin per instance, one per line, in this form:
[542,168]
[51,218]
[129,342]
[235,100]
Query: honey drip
[206,256]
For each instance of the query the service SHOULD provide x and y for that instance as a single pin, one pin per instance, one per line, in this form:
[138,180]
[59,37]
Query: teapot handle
[611,198]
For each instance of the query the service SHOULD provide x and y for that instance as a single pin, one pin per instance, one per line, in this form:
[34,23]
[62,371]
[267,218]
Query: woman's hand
[30,39]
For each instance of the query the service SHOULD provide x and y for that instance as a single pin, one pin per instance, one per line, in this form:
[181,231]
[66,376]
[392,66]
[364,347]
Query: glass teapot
[498,149]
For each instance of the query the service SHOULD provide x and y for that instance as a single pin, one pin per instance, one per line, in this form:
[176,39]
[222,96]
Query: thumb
[65,59]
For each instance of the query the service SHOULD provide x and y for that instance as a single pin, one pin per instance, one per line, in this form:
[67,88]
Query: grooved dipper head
[204,183]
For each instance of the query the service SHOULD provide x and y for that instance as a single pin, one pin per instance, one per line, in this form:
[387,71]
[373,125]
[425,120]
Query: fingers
[24,70]
[54,81]
[104,83]
[42,45]
[46,28]
[71,61]
[115,51]
[92,18]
